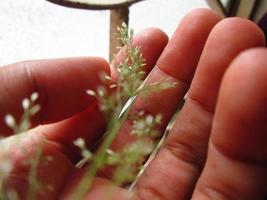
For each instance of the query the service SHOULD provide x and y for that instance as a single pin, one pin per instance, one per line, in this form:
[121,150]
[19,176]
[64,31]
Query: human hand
[234,166]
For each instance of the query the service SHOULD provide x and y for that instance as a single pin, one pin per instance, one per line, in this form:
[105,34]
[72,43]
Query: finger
[100,189]
[34,162]
[90,123]
[186,145]
[61,84]
[237,157]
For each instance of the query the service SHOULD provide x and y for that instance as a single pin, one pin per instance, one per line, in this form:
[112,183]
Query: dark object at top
[95,4]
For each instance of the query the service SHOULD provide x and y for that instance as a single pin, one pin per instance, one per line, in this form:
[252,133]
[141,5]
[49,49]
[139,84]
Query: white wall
[36,29]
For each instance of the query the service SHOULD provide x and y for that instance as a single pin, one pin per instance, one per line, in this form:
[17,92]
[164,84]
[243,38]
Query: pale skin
[217,148]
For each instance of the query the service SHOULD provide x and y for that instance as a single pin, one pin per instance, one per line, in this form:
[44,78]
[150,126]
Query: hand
[217,146]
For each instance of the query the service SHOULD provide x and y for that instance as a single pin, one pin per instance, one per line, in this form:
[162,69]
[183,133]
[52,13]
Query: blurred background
[38,29]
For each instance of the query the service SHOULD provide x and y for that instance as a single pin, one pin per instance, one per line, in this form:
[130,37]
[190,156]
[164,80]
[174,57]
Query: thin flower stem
[33,180]
[99,160]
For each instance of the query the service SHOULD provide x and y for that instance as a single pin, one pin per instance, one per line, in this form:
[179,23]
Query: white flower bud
[91,92]
[124,25]
[113,86]
[110,152]
[87,155]
[34,96]
[101,91]
[107,77]
[10,121]
[149,119]
[79,142]
[26,104]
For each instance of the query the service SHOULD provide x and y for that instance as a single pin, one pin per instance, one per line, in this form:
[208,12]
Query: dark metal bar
[77,4]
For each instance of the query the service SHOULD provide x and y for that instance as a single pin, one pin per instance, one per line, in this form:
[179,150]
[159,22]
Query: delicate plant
[115,101]
[116,105]
[30,109]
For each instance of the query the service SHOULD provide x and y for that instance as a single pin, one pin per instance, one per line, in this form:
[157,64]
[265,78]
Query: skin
[217,146]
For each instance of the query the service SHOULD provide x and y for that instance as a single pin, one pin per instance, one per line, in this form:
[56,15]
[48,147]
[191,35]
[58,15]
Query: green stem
[33,179]
[98,162]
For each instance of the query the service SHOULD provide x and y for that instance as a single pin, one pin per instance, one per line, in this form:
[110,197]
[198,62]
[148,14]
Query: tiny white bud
[34,96]
[141,125]
[10,121]
[101,91]
[158,118]
[110,152]
[79,142]
[113,86]
[124,25]
[141,113]
[149,119]
[87,155]
[91,92]
[26,104]
[185,96]
[107,77]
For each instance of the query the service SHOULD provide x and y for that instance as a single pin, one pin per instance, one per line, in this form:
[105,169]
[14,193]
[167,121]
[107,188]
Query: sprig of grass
[35,185]
[30,108]
[115,101]
[117,105]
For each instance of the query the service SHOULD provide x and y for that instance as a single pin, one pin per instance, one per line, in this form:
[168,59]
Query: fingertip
[206,17]
[246,76]
[203,12]
[90,65]
[242,25]
[240,118]
[151,41]
[180,57]
[101,63]
[247,71]
[248,56]
[153,34]
[227,39]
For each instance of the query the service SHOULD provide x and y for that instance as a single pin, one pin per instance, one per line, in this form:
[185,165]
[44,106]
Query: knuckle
[185,153]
